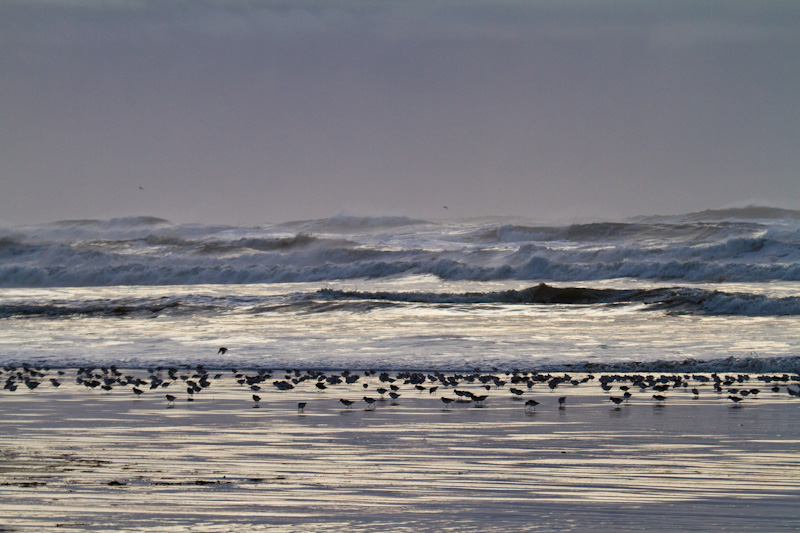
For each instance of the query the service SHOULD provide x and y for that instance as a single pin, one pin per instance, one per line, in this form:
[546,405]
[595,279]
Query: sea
[711,291]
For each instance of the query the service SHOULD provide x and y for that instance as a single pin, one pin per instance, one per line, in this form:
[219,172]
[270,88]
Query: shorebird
[447,402]
[256,399]
[137,392]
[531,404]
[170,400]
[370,402]
[346,403]
[394,396]
[561,401]
[301,407]
[617,401]
[696,393]
[735,399]
[659,397]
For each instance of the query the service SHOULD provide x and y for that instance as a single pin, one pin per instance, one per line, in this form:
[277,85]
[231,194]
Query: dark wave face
[674,299]
[680,300]
[738,245]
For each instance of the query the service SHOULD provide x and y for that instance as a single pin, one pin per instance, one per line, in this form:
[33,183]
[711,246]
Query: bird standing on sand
[346,403]
[170,400]
[447,402]
[561,401]
[301,407]
[617,401]
[531,404]
[370,402]
[256,399]
[659,398]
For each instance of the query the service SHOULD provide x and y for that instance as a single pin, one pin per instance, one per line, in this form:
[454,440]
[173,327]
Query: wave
[108,309]
[745,213]
[344,223]
[785,369]
[119,222]
[673,299]
[94,268]
[152,251]
[614,232]
[750,364]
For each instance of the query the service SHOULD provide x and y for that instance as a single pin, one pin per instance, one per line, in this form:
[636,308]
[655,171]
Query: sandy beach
[76,459]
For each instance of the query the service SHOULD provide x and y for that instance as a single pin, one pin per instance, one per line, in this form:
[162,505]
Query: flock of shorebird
[450,388]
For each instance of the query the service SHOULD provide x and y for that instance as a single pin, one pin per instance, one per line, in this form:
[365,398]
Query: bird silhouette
[531,404]
[370,402]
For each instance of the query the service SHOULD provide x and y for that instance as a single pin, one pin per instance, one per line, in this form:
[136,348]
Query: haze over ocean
[243,112]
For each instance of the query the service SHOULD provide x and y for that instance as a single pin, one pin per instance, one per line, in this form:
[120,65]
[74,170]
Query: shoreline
[79,459]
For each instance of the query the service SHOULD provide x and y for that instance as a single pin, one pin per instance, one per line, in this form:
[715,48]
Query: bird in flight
[222,350]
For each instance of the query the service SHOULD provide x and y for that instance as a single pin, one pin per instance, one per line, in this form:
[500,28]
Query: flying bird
[222,351]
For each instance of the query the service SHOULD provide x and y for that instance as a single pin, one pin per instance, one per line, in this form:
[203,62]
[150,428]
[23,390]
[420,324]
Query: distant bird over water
[222,350]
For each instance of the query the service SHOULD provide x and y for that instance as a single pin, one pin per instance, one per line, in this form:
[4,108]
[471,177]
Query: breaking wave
[674,299]
[705,247]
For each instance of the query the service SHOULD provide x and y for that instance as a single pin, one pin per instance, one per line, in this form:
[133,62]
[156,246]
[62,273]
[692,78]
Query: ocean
[713,291]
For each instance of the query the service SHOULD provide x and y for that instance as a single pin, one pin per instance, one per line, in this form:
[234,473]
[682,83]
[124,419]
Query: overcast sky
[254,111]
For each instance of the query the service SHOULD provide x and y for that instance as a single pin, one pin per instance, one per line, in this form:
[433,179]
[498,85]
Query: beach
[76,458]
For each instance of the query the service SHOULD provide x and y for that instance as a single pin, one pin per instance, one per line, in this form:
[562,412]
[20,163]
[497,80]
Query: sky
[266,111]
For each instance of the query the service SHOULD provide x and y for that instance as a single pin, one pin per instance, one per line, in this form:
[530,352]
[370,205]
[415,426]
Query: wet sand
[74,459]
